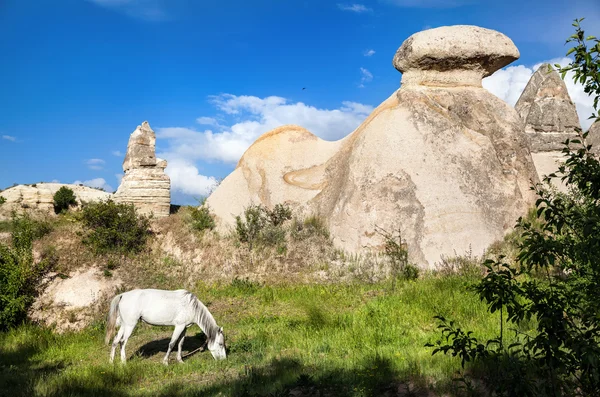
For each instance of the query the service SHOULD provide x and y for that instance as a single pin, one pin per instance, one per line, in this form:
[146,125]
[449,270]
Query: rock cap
[453,55]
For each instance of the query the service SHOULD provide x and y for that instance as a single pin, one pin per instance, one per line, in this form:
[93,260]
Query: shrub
[263,226]
[20,276]
[279,214]
[114,228]
[312,225]
[202,219]
[2,200]
[396,250]
[63,199]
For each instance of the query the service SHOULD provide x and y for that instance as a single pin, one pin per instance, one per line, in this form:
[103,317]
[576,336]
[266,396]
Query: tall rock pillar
[145,184]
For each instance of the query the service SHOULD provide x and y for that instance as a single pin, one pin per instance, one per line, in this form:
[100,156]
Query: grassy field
[300,340]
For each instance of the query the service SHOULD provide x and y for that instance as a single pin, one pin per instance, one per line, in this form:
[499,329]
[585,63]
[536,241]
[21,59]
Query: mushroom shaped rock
[145,184]
[442,160]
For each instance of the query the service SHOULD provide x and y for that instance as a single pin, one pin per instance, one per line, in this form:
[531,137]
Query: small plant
[396,250]
[2,200]
[279,214]
[468,265]
[114,228]
[312,225]
[202,219]
[63,199]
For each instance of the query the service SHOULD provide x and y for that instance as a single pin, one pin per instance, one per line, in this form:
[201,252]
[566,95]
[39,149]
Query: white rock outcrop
[442,159]
[145,184]
[550,118]
[40,197]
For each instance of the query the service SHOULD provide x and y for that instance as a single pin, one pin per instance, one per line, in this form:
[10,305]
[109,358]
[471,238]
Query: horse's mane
[203,316]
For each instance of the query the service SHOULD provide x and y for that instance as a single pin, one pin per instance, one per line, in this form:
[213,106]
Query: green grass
[339,339]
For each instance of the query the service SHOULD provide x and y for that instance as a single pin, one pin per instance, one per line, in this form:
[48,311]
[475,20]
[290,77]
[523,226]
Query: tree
[63,199]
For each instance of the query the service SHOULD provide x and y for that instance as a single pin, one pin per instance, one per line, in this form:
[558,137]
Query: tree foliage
[114,228]
[20,275]
[63,199]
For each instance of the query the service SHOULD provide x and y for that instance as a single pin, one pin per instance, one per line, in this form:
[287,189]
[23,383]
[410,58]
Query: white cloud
[509,83]
[366,77]
[357,8]
[207,121]
[148,10]
[186,179]
[95,164]
[97,183]
[257,116]
[119,178]
[117,153]
[369,53]
[9,138]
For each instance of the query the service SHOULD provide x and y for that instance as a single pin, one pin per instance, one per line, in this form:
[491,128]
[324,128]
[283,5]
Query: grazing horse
[159,307]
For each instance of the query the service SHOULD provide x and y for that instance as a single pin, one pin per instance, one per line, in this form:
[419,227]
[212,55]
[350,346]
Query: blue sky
[78,76]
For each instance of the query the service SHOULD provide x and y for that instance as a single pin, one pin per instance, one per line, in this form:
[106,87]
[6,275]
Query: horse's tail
[111,321]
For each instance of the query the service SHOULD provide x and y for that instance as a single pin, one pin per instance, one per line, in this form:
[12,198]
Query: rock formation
[441,159]
[145,183]
[550,118]
[40,197]
[593,137]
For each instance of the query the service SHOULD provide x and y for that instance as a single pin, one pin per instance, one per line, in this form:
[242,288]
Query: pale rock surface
[593,137]
[67,303]
[145,184]
[41,197]
[550,118]
[441,159]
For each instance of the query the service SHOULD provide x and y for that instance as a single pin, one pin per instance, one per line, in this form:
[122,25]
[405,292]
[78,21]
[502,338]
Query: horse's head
[217,345]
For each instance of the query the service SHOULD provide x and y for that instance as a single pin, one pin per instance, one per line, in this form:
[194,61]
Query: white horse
[159,307]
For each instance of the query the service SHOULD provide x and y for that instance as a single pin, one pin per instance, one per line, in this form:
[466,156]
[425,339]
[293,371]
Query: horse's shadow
[160,346]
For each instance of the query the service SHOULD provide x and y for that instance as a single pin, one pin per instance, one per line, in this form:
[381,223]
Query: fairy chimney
[145,184]
[550,118]
[442,160]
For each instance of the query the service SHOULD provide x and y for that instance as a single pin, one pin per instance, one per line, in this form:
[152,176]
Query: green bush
[20,276]
[2,200]
[262,226]
[313,225]
[114,228]
[63,199]
[202,219]
[279,214]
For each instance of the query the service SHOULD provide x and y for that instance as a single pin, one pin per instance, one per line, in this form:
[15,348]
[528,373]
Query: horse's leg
[126,334]
[115,343]
[178,330]
[179,359]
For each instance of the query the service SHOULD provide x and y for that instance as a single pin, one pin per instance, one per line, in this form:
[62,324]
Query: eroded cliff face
[145,184]
[442,160]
